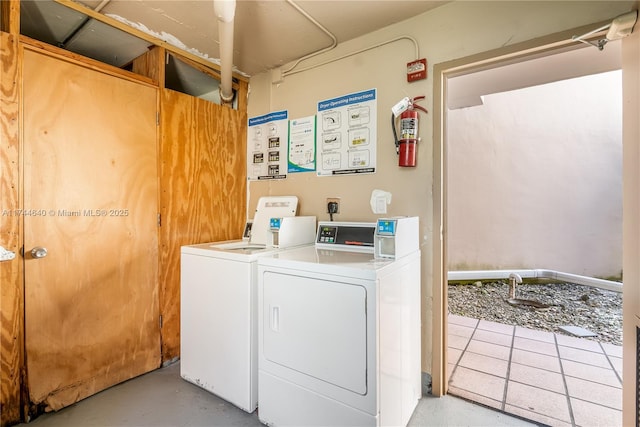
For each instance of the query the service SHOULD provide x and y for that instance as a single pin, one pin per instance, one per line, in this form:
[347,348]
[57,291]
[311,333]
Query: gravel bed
[598,310]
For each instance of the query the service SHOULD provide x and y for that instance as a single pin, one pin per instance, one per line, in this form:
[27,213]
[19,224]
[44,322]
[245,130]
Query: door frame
[520,52]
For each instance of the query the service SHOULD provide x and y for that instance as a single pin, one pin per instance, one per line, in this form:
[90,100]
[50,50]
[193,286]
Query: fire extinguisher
[407,145]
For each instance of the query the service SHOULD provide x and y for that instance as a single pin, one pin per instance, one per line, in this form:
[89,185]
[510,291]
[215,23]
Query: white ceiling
[268,33]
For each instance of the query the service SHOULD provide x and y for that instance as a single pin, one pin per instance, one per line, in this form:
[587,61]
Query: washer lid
[267,208]
[238,250]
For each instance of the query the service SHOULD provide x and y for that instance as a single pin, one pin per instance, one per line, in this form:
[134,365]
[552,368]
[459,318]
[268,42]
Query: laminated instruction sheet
[267,143]
[347,134]
[302,145]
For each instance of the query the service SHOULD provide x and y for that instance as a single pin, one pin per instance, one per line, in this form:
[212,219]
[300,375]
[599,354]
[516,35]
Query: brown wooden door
[90,198]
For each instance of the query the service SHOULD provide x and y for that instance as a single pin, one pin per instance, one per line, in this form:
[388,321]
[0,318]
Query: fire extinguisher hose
[395,133]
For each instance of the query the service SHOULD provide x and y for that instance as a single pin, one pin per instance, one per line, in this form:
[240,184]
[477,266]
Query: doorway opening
[509,163]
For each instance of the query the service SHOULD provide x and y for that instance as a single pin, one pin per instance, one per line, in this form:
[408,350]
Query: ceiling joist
[147,37]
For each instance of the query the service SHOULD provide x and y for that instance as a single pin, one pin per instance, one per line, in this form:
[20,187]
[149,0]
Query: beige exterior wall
[452,31]
[535,179]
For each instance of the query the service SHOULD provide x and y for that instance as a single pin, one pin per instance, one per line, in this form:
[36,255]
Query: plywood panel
[11,297]
[91,198]
[151,64]
[202,186]
[65,55]
[243,95]
[10,16]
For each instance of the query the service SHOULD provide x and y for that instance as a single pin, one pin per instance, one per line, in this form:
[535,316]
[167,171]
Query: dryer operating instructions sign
[347,134]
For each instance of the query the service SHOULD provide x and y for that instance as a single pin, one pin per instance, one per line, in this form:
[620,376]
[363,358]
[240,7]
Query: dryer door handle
[275,318]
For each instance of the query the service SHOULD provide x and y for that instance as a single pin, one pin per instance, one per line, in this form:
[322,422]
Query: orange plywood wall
[11,277]
[202,189]
[201,197]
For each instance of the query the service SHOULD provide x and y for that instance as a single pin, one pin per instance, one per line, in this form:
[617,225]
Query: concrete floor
[163,398]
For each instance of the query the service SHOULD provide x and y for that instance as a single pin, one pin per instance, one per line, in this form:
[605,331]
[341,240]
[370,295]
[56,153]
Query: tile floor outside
[545,377]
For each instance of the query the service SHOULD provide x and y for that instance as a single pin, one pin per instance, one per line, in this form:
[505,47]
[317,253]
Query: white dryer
[218,303]
[339,332]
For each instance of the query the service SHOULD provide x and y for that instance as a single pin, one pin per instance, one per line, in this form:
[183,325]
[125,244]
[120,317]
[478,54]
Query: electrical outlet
[335,200]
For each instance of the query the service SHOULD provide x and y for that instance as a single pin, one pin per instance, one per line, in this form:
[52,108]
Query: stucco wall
[455,30]
[535,179]
[631,222]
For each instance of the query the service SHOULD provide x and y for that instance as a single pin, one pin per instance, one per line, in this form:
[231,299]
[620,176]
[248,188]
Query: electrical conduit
[290,70]
[334,41]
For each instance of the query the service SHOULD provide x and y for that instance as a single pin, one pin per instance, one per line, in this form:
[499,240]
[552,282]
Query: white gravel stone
[597,310]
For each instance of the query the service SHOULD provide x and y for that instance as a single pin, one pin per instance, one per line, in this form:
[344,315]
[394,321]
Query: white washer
[218,307]
[218,322]
[339,335]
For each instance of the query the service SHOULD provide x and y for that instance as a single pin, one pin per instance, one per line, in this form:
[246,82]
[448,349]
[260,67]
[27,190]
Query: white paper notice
[347,134]
[267,142]
[302,145]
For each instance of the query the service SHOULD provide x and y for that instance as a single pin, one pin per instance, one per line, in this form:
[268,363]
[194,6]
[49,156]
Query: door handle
[38,252]
[275,319]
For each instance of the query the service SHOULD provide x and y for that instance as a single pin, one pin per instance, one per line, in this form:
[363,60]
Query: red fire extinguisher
[407,145]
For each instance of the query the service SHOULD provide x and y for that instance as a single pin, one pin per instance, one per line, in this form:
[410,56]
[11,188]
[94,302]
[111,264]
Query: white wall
[535,179]
[631,222]
[455,30]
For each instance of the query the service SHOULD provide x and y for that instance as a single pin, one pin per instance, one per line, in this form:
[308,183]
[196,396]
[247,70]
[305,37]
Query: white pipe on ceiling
[411,39]
[334,40]
[289,71]
[225,11]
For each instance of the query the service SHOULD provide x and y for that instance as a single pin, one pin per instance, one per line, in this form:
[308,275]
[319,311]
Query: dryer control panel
[346,235]
[396,237]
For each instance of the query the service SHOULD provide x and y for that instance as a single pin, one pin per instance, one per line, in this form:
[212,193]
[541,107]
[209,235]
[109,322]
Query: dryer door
[317,328]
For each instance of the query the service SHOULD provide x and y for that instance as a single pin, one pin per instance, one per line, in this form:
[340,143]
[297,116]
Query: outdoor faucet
[513,279]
